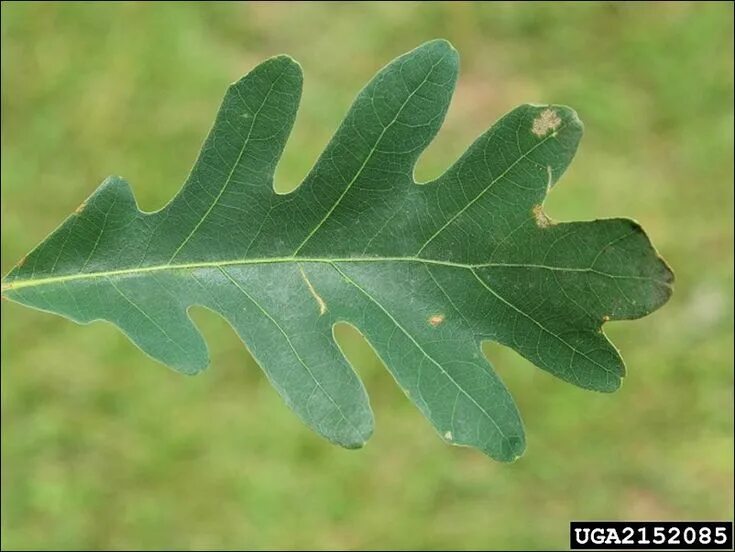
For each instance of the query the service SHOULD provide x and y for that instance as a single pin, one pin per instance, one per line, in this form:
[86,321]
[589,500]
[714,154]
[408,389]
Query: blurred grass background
[102,448]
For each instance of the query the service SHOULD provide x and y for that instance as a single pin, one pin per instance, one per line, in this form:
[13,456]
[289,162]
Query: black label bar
[650,535]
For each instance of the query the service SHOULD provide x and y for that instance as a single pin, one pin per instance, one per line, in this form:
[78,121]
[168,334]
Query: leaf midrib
[19,284]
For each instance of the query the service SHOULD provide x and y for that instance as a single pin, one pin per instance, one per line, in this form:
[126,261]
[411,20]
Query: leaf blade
[425,272]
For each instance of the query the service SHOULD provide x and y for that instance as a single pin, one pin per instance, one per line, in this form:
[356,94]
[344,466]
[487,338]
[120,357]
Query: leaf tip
[664,274]
[286,61]
[357,445]
[441,43]
[282,64]
[357,440]
[441,48]
[613,384]
[513,448]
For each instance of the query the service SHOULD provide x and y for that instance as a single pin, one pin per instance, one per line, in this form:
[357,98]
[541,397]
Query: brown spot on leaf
[542,221]
[546,121]
[606,318]
[81,207]
[436,319]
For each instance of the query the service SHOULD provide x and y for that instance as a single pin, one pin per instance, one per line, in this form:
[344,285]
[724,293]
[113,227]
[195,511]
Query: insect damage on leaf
[541,218]
[547,120]
[360,242]
[319,301]
[436,319]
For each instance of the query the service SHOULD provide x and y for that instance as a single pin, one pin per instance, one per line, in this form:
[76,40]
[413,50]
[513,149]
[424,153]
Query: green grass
[103,448]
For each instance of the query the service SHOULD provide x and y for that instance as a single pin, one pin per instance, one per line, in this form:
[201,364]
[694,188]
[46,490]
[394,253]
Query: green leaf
[425,272]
